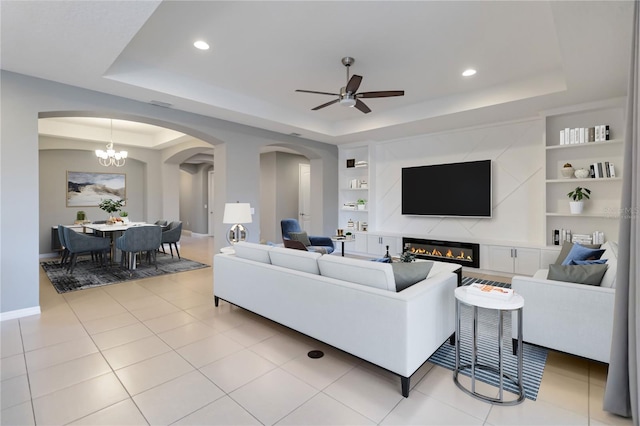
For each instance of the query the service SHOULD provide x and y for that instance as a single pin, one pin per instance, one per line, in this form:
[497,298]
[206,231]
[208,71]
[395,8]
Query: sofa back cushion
[304,261]
[611,254]
[364,272]
[253,251]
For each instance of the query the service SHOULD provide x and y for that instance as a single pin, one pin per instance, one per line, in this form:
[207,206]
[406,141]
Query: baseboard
[19,313]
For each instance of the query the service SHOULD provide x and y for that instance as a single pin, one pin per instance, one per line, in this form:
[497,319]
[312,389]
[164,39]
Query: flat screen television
[449,190]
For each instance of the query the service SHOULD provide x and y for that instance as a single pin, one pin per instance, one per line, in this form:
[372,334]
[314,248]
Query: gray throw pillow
[566,248]
[407,274]
[580,274]
[300,236]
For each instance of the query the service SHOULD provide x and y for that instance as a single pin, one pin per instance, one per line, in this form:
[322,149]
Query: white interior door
[304,197]
[210,204]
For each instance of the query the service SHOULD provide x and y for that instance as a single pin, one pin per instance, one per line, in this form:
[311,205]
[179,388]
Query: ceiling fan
[348,95]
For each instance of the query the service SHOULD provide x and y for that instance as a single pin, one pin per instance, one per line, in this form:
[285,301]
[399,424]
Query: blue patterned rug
[534,357]
[87,274]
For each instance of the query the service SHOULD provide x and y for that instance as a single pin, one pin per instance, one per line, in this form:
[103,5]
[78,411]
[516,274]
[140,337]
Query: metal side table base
[515,303]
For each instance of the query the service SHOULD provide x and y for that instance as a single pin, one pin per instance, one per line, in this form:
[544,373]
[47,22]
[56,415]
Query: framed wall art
[88,189]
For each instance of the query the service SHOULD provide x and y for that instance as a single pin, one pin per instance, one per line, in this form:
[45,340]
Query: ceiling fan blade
[325,105]
[362,107]
[382,94]
[318,93]
[353,84]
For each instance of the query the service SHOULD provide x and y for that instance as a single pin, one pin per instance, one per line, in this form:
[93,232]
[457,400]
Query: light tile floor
[156,351]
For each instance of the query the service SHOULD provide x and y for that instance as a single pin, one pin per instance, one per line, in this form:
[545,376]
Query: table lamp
[237,214]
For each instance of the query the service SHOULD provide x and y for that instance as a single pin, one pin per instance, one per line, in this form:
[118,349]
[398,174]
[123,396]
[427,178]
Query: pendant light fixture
[110,157]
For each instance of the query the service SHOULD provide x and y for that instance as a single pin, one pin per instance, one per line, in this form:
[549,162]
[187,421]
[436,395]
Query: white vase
[576,207]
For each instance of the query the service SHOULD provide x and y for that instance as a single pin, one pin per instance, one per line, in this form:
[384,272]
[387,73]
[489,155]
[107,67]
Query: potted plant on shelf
[362,204]
[111,206]
[124,216]
[577,205]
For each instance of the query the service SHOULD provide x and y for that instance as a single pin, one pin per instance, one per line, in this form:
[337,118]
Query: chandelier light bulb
[110,157]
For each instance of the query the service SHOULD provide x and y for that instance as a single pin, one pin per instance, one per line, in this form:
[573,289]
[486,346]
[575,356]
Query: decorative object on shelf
[351,162]
[362,204]
[80,215]
[350,225]
[577,205]
[237,214]
[110,157]
[111,206]
[361,164]
[567,170]
[582,173]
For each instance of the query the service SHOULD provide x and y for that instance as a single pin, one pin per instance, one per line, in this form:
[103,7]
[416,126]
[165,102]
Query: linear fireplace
[465,254]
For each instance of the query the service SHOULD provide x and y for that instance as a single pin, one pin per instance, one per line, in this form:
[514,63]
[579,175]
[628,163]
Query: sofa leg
[405,386]
[216,300]
[452,339]
[514,345]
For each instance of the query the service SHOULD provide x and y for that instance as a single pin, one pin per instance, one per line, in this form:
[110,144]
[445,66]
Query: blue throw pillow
[588,262]
[579,252]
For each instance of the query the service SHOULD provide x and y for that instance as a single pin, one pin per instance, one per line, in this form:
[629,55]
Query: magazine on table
[490,291]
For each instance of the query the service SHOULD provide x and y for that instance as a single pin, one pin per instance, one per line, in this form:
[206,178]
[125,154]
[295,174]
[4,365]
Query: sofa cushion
[611,254]
[566,248]
[581,274]
[300,236]
[303,261]
[372,274]
[580,252]
[588,262]
[407,274]
[253,251]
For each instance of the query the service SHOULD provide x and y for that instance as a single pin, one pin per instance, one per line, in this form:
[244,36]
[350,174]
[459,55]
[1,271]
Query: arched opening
[157,171]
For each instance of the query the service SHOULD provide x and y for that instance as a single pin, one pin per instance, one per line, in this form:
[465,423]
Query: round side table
[514,303]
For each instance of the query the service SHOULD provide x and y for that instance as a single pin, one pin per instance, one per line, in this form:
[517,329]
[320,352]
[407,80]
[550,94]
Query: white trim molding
[19,313]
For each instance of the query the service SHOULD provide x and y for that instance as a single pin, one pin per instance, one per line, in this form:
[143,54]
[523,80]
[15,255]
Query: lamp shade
[237,213]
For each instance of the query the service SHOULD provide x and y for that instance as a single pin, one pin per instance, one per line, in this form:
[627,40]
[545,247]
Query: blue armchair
[321,244]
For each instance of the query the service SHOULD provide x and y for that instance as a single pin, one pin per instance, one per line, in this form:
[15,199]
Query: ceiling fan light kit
[348,95]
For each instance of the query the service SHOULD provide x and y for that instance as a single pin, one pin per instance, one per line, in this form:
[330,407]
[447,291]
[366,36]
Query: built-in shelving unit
[601,211]
[354,185]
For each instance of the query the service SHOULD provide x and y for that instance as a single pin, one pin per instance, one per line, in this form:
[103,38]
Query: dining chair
[78,243]
[139,239]
[171,236]
[65,251]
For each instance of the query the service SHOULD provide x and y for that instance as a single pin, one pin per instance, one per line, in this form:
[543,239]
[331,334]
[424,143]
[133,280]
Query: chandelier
[110,157]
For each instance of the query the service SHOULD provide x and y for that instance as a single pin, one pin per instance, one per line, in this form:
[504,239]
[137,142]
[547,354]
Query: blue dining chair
[78,243]
[171,235]
[139,239]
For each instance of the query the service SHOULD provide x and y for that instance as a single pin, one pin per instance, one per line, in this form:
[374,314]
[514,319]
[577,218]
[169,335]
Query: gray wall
[279,192]
[194,194]
[237,163]
[54,165]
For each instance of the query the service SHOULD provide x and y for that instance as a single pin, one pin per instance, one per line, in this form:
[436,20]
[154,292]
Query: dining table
[112,231]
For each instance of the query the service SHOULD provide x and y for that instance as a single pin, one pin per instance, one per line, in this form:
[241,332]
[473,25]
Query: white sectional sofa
[569,317]
[347,303]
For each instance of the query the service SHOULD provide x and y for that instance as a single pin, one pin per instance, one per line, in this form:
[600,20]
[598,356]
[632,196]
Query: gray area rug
[534,357]
[88,274]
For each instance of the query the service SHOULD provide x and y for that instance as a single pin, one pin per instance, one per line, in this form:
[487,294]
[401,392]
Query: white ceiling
[530,56]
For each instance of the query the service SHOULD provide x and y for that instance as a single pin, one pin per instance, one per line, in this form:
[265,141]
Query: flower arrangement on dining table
[111,206]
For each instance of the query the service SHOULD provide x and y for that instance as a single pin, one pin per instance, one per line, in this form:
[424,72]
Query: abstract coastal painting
[86,189]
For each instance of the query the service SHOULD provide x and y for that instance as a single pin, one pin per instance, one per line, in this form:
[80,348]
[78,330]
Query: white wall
[517,154]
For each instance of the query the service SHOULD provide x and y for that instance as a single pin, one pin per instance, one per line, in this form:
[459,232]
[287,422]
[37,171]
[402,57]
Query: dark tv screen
[456,189]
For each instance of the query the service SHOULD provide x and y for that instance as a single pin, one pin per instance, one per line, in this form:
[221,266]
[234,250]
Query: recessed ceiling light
[469,72]
[202,45]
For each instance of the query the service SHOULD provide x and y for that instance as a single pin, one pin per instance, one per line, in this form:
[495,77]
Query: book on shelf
[582,239]
[602,169]
[490,291]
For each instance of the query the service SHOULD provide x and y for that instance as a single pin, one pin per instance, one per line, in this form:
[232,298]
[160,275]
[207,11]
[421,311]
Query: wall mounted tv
[450,190]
